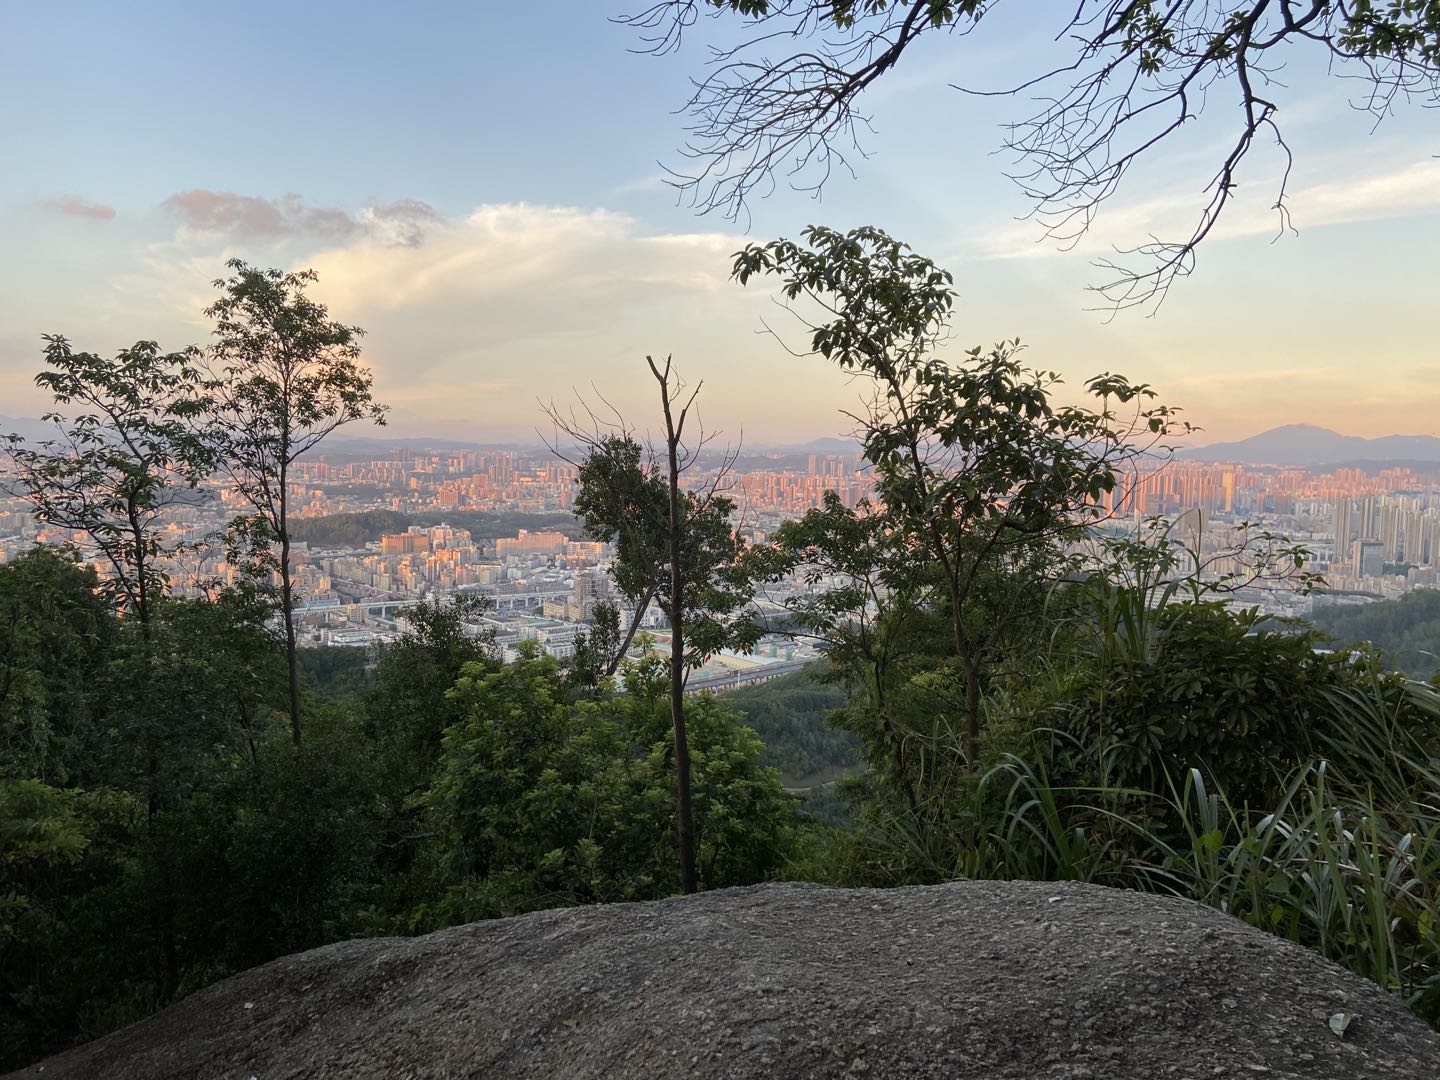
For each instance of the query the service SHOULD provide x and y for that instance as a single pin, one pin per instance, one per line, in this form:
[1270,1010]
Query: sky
[479,186]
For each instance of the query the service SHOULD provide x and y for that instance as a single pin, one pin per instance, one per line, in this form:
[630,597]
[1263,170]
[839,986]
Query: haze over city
[501,230]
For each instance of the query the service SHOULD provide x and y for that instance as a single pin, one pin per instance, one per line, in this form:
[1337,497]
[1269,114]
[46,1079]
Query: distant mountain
[1306,444]
[828,445]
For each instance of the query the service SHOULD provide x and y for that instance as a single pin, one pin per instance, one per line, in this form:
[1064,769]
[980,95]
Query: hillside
[1406,630]
[788,714]
[969,980]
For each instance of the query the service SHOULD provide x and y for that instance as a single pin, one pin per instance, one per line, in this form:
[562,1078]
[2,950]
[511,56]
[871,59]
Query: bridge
[731,680]
[385,608]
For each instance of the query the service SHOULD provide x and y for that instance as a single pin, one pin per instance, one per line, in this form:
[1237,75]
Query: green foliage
[283,376]
[115,470]
[1210,689]
[56,635]
[335,670]
[623,498]
[789,714]
[1406,630]
[493,524]
[981,476]
[1341,864]
[407,706]
[544,801]
[348,530]
[53,843]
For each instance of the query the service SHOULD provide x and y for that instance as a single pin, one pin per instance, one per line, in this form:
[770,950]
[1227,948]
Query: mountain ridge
[1312,445]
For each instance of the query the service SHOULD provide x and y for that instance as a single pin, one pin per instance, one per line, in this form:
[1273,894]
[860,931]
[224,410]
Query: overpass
[731,680]
[384,608]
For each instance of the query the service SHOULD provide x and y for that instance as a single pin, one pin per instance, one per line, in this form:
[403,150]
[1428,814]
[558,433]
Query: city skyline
[493,267]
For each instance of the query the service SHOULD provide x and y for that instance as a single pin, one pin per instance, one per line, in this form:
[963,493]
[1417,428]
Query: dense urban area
[381,532]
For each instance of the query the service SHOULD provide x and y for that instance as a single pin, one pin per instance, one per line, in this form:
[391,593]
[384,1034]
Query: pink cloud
[403,222]
[75,206]
[254,216]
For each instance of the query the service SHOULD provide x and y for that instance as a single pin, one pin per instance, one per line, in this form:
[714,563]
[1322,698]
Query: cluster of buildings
[1370,533]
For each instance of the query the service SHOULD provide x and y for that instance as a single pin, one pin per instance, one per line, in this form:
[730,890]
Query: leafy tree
[118,467]
[1138,73]
[543,800]
[864,601]
[57,636]
[599,648]
[492,524]
[983,477]
[406,706]
[284,375]
[222,675]
[675,545]
[43,834]
[623,501]
[335,670]
[1407,629]
[1203,687]
[348,530]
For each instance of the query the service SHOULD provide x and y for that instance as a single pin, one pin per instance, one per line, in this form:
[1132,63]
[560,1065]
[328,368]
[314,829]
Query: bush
[1201,686]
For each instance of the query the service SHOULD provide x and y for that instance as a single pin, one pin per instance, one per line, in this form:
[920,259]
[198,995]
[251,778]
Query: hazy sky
[477,184]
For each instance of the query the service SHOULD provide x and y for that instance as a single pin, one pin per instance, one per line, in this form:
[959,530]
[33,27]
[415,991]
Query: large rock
[975,979]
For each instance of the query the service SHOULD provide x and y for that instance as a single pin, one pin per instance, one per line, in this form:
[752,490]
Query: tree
[1139,71]
[542,800]
[120,465]
[406,709]
[863,600]
[57,634]
[220,679]
[983,476]
[622,502]
[599,648]
[674,544]
[284,375]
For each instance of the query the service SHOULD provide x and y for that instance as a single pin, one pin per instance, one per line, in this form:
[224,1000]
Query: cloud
[642,185]
[251,217]
[75,206]
[513,302]
[509,276]
[1399,190]
[404,222]
[254,217]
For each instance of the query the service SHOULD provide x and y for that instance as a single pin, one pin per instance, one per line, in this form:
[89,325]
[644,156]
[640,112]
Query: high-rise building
[1344,527]
[1368,558]
[591,587]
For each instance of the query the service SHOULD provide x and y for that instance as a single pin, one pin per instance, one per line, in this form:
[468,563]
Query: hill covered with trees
[1406,630]
[791,716]
[355,530]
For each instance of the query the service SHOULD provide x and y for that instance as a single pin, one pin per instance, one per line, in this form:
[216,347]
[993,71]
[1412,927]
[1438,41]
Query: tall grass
[1351,869]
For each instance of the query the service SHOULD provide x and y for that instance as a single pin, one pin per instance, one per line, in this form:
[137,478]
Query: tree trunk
[287,594]
[684,812]
[972,713]
[619,656]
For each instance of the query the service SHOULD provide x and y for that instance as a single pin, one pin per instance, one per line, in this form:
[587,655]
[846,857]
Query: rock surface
[970,980]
